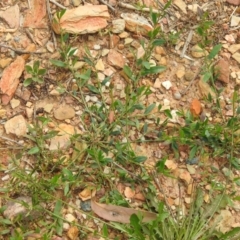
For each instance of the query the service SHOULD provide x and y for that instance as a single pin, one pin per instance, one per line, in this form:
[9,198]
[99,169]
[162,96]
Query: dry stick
[10,140]
[233,12]
[50,19]
[58,4]
[189,38]
[190,84]
[110,6]
[29,4]
[30,36]
[19,51]
[156,180]
[129,6]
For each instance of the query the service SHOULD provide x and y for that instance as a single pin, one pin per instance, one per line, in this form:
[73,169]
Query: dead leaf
[87,193]
[185,176]
[129,193]
[119,214]
[170,164]
[111,116]
[72,233]
[82,20]
[196,107]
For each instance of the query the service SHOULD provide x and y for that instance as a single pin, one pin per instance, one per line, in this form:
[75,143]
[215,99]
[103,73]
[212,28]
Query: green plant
[36,72]
[200,222]
[203,30]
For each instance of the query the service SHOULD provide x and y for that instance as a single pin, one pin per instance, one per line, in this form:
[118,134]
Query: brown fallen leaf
[82,20]
[196,107]
[87,193]
[119,214]
[129,193]
[72,233]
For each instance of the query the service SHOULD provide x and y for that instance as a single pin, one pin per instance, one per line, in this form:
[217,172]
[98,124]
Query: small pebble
[96,47]
[86,206]
[177,95]
[167,84]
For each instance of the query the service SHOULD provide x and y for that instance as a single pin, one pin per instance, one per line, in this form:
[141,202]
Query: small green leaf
[167,5]
[72,51]
[106,80]
[216,49]
[57,216]
[58,63]
[127,70]
[149,108]
[105,230]
[193,152]
[85,76]
[33,150]
[140,159]
[28,69]
[42,71]
[154,17]
[146,64]
[136,106]
[153,70]
[27,82]
[92,88]
[207,76]
[65,37]
[168,113]
[145,128]
[61,13]
[5,221]
[36,65]
[159,42]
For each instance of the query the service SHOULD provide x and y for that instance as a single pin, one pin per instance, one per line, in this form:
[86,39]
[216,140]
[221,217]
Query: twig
[233,12]
[190,84]
[50,19]
[156,180]
[58,4]
[19,51]
[189,38]
[29,4]
[110,6]
[30,36]
[10,140]
[129,6]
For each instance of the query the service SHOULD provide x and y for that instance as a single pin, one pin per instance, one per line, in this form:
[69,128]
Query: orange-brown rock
[35,16]
[10,79]
[82,20]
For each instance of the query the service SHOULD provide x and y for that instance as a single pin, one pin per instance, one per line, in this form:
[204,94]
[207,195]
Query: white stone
[118,25]
[96,47]
[166,102]
[236,56]
[69,217]
[16,125]
[235,21]
[29,104]
[105,52]
[128,41]
[14,103]
[94,99]
[87,98]
[167,84]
